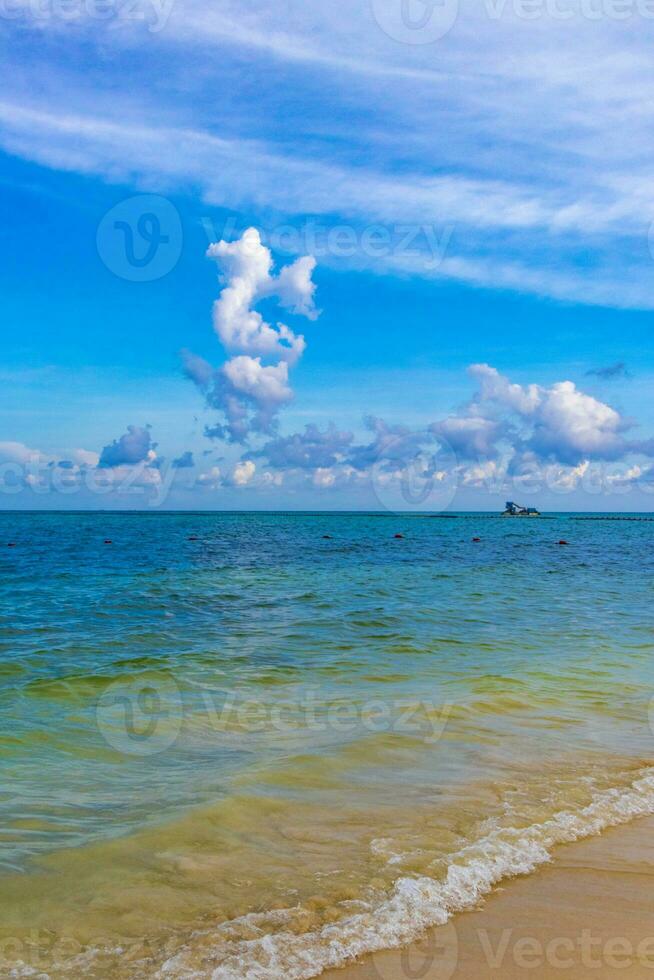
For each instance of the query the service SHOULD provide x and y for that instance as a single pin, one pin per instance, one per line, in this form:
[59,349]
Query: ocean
[255,745]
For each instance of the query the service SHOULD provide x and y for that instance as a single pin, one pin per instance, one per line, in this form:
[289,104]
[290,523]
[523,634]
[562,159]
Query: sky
[382,255]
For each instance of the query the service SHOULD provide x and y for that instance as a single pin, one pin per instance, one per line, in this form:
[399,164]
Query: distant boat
[515,510]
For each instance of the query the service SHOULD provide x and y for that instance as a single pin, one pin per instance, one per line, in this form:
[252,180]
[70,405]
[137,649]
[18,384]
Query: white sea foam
[417,902]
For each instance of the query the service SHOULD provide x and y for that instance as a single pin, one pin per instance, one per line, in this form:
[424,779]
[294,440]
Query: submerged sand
[589,913]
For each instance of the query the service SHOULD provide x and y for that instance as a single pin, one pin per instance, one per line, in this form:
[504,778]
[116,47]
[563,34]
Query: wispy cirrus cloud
[530,150]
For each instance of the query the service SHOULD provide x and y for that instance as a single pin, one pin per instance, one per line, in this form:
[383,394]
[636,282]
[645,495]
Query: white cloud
[295,287]
[470,436]
[509,435]
[212,478]
[558,422]
[246,265]
[267,385]
[309,449]
[570,424]
[84,457]
[324,478]
[246,390]
[496,387]
[18,452]
[134,446]
[243,473]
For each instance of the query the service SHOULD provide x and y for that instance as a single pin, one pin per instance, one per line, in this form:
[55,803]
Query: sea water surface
[257,745]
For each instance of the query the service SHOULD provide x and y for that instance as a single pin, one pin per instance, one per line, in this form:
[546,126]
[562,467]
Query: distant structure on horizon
[515,510]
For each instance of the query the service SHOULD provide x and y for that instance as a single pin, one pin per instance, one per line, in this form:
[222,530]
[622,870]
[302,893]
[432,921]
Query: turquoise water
[291,716]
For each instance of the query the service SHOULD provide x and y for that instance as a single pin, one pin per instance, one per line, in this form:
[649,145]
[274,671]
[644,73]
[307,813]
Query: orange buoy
[562,542]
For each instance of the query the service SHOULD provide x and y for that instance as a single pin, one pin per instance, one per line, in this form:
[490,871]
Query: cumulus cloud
[392,443]
[309,449]
[134,446]
[18,452]
[267,384]
[246,266]
[329,459]
[496,387]
[570,426]
[295,288]
[81,468]
[211,479]
[471,436]
[559,422]
[507,433]
[243,473]
[185,461]
[199,371]
[75,460]
[252,385]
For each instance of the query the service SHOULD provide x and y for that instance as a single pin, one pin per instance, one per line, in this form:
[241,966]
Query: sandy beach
[590,913]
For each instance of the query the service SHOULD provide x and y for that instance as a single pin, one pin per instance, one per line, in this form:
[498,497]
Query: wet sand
[589,913]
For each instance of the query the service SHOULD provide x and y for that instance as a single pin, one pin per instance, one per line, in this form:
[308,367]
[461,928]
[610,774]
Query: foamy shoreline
[587,913]
[419,903]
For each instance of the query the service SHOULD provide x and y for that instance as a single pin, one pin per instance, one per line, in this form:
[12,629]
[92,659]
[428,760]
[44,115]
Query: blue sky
[472,191]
